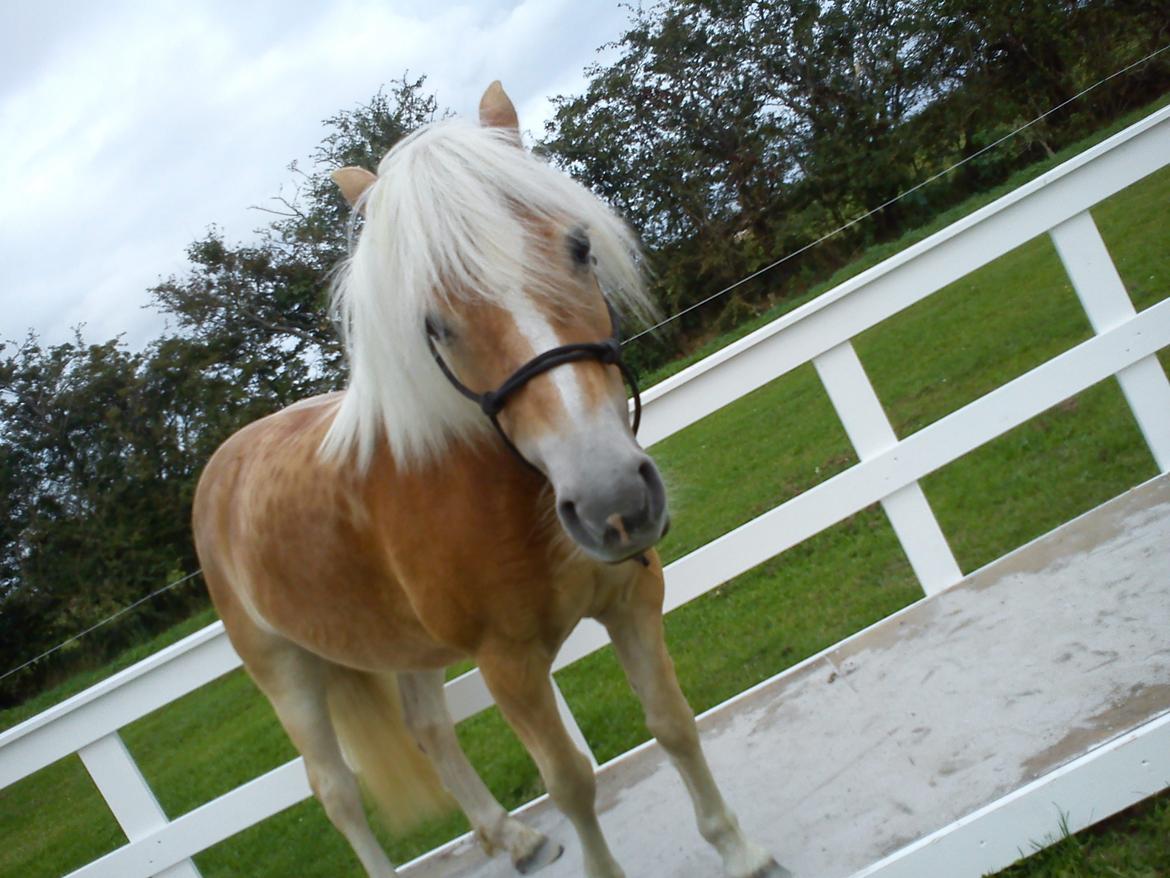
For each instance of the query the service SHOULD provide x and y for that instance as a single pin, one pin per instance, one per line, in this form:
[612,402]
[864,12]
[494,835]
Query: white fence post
[1106,302]
[869,430]
[1125,345]
[130,798]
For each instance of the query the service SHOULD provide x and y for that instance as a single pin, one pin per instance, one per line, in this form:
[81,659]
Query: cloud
[128,132]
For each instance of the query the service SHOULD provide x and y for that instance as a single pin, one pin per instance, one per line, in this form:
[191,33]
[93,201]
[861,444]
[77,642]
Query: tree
[731,132]
[261,309]
[95,468]
[101,447]
[727,127]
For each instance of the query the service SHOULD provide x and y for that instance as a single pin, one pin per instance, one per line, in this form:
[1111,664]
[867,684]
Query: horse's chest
[519,601]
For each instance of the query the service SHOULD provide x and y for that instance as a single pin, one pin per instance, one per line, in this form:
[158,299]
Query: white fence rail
[1124,344]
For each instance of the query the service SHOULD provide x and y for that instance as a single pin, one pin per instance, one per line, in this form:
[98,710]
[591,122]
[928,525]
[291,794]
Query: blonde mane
[446,218]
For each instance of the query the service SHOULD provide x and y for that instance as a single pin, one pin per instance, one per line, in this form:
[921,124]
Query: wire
[690,308]
[896,198]
[97,625]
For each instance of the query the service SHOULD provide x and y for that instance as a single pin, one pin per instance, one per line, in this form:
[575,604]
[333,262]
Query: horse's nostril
[655,490]
[646,471]
[568,511]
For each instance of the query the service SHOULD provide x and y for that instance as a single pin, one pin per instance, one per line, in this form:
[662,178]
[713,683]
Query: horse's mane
[446,218]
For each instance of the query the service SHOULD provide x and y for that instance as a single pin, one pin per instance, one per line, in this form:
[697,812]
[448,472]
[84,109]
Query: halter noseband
[492,402]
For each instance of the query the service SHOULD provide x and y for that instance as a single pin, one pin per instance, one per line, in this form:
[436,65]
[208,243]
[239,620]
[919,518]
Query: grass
[726,469]
[873,255]
[81,681]
[1132,844]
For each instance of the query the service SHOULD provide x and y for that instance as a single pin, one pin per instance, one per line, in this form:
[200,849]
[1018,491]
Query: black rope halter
[492,402]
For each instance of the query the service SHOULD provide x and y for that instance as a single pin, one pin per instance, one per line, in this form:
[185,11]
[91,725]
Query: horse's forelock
[446,218]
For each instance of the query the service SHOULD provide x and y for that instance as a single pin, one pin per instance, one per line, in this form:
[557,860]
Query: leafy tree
[261,309]
[101,447]
[95,468]
[729,128]
[734,131]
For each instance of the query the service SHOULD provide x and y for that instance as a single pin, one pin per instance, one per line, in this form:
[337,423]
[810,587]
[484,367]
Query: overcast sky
[127,128]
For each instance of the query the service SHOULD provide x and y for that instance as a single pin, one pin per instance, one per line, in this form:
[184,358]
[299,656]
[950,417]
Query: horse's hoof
[548,851]
[771,869]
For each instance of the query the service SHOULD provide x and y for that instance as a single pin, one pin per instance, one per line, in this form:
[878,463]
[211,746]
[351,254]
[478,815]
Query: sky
[128,128]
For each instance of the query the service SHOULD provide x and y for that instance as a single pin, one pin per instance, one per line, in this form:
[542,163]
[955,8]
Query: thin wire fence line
[687,310]
[97,625]
[893,200]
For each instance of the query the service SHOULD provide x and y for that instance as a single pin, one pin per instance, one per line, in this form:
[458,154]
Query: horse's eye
[438,330]
[579,246]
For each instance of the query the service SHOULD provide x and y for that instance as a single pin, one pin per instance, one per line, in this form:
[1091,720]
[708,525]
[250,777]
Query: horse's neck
[478,521]
[487,463]
[480,485]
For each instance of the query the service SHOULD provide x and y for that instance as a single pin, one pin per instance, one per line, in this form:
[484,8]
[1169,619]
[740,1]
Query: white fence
[1124,345]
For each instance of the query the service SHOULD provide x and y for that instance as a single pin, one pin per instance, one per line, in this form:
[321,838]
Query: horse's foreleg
[425,709]
[635,626]
[519,681]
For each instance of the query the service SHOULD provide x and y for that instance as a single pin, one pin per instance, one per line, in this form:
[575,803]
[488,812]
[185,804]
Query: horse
[474,492]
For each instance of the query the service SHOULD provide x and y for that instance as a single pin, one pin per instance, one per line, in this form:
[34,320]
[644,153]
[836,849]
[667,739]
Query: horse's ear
[496,111]
[353,182]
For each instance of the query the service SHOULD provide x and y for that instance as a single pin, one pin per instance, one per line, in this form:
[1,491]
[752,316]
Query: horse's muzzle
[617,514]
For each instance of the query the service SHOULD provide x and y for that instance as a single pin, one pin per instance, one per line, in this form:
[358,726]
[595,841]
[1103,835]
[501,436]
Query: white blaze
[536,329]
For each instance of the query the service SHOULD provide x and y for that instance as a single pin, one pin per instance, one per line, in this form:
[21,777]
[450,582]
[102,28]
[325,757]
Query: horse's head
[516,323]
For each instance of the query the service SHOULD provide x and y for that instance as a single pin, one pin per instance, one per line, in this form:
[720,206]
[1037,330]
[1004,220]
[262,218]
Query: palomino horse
[356,544]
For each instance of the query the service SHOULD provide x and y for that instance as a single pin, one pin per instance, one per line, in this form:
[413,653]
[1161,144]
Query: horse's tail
[367,716]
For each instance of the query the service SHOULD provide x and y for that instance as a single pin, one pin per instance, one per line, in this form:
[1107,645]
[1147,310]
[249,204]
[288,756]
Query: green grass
[1135,281]
[768,446]
[79,682]
[1132,844]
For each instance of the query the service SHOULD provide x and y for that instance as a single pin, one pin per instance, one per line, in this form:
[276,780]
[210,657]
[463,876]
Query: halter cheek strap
[492,402]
